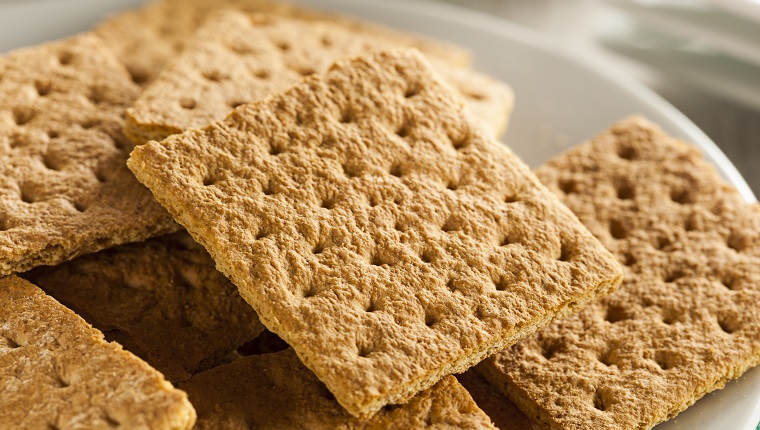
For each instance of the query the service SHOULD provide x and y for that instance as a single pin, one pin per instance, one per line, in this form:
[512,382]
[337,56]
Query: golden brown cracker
[65,189]
[377,228]
[685,320]
[237,58]
[275,391]
[162,299]
[145,38]
[58,372]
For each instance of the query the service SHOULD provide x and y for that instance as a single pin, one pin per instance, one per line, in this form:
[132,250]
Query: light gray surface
[575,23]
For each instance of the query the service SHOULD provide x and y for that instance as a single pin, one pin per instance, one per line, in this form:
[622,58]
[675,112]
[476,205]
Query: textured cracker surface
[237,58]
[504,414]
[58,372]
[162,299]
[144,39]
[65,189]
[275,391]
[377,228]
[685,320]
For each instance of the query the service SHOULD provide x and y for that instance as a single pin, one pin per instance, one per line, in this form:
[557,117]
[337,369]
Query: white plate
[561,100]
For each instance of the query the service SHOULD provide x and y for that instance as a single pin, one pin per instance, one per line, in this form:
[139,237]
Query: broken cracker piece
[65,189]
[162,299]
[58,372]
[386,259]
[276,391]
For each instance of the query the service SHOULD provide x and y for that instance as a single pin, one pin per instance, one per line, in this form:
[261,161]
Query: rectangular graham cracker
[65,189]
[57,372]
[377,228]
[275,391]
[685,320]
[144,39]
[162,299]
[237,58]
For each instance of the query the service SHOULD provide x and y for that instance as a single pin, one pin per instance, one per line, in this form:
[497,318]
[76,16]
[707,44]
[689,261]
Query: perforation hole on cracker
[43,88]
[602,400]
[65,58]
[214,75]
[728,324]
[618,230]
[460,141]
[9,342]
[550,348]
[627,152]
[50,162]
[608,358]
[22,115]
[404,130]
[682,196]
[625,191]
[568,186]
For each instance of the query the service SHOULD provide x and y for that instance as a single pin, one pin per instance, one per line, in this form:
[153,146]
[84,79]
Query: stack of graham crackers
[330,230]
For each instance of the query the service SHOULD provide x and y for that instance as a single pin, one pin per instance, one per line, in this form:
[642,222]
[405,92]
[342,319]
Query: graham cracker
[162,299]
[504,414]
[237,58]
[57,372]
[144,39]
[685,320]
[275,391]
[377,228]
[65,189]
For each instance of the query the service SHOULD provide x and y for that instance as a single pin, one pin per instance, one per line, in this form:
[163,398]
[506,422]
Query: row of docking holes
[23,115]
[10,345]
[664,360]
[626,191]
[31,198]
[59,381]
[500,283]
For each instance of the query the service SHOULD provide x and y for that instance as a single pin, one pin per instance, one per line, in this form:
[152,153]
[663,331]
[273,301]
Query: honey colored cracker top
[685,320]
[275,391]
[376,228]
[145,38]
[57,372]
[65,189]
[236,58]
[162,299]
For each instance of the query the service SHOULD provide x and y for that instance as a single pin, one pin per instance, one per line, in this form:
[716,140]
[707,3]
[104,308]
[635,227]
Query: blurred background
[703,56]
